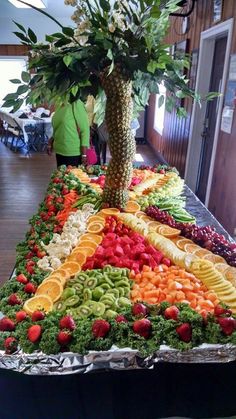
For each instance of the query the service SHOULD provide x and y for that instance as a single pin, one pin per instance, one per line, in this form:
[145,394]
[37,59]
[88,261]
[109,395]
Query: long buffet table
[167,389]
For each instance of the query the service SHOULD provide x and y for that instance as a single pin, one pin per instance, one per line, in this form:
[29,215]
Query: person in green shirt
[71,134]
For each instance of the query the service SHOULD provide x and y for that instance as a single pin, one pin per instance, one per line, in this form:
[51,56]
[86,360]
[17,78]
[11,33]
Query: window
[160,111]
[10,68]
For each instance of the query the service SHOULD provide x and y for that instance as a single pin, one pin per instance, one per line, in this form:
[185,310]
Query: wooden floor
[23,181]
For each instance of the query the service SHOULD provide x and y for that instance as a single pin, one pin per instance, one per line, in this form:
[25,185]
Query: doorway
[195,169]
[208,132]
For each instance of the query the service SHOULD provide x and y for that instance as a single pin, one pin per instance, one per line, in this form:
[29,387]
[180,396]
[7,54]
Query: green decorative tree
[117,48]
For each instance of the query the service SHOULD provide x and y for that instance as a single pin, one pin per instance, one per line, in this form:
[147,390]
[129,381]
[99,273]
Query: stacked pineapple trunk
[119,109]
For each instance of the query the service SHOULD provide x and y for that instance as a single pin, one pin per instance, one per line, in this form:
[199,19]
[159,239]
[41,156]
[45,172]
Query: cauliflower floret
[55,262]
[43,263]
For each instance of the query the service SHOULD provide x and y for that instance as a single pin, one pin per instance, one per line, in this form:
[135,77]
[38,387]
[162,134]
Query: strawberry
[185,332]
[22,279]
[14,299]
[121,319]
[20,316]
[171,313]
[30,288]
[29,255]
[67,322]
[100,328]
[56,180]
[10,345]
[34,333]
[6,325]
[139,309]
[142,327]
[30,269]
[65,191]
[64,338]
[40,254]
[219,310]
[37,315]
[227,324]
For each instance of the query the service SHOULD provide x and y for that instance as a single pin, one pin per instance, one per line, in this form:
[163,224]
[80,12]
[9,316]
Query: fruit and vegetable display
[89,277]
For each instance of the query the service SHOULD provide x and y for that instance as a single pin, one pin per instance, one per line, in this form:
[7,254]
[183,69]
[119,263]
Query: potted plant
[118,48]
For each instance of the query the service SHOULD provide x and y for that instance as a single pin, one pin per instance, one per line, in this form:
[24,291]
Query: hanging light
[41,4]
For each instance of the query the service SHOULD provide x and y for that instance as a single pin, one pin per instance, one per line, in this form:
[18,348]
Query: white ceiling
[56,8]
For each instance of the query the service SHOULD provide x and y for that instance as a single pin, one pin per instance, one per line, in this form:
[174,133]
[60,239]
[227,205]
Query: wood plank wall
[173,144]
[13,50]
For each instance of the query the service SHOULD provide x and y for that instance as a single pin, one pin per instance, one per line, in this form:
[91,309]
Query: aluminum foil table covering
[114,359]
[124,359]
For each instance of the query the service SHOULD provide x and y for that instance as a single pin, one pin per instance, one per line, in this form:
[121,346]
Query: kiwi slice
[105,286]
[81,277]
[78,287]
[59,306]
[109,297]
[98,309]
[97,293]
[90,303]
[122,283]
[127,291]
[84,310]
[110,314]
[115,276]
[121,291]
[113,291]
[108,303]
[72,301]
[67,293]
[91,282]
[107,279]
[87,294]
[123,302]
[108,268]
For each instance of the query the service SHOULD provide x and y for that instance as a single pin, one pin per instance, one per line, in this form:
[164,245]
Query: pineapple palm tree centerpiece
[118,48]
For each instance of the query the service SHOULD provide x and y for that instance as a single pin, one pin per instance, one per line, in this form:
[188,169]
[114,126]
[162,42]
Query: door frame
[206,54]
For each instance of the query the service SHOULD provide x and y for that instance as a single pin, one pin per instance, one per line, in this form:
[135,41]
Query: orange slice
[230,274]
[146,218]
[191,248]
[95,227]
[78,257]
[63,272]
[71,267]
[139,213]
[153,225]
[169,231]
[132,207]
[221,267]
[214,258]
[87,243]
[52,288]
[93,237]
[38,302]
[182,242]
[87,251]
[110,211]
[201,252]
[58,278]
[96,218]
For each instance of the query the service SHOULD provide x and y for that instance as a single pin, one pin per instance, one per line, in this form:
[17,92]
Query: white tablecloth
[14,120]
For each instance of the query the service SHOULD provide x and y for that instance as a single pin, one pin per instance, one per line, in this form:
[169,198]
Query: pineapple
[119,109]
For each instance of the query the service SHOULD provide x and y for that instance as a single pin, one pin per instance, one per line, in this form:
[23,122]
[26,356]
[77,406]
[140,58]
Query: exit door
[208,132]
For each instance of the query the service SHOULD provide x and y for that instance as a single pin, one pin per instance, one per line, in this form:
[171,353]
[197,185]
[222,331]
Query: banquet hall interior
[189,131]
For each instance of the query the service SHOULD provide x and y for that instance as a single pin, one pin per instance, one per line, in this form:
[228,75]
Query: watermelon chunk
[126,240]
[109,252]
[118,250]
